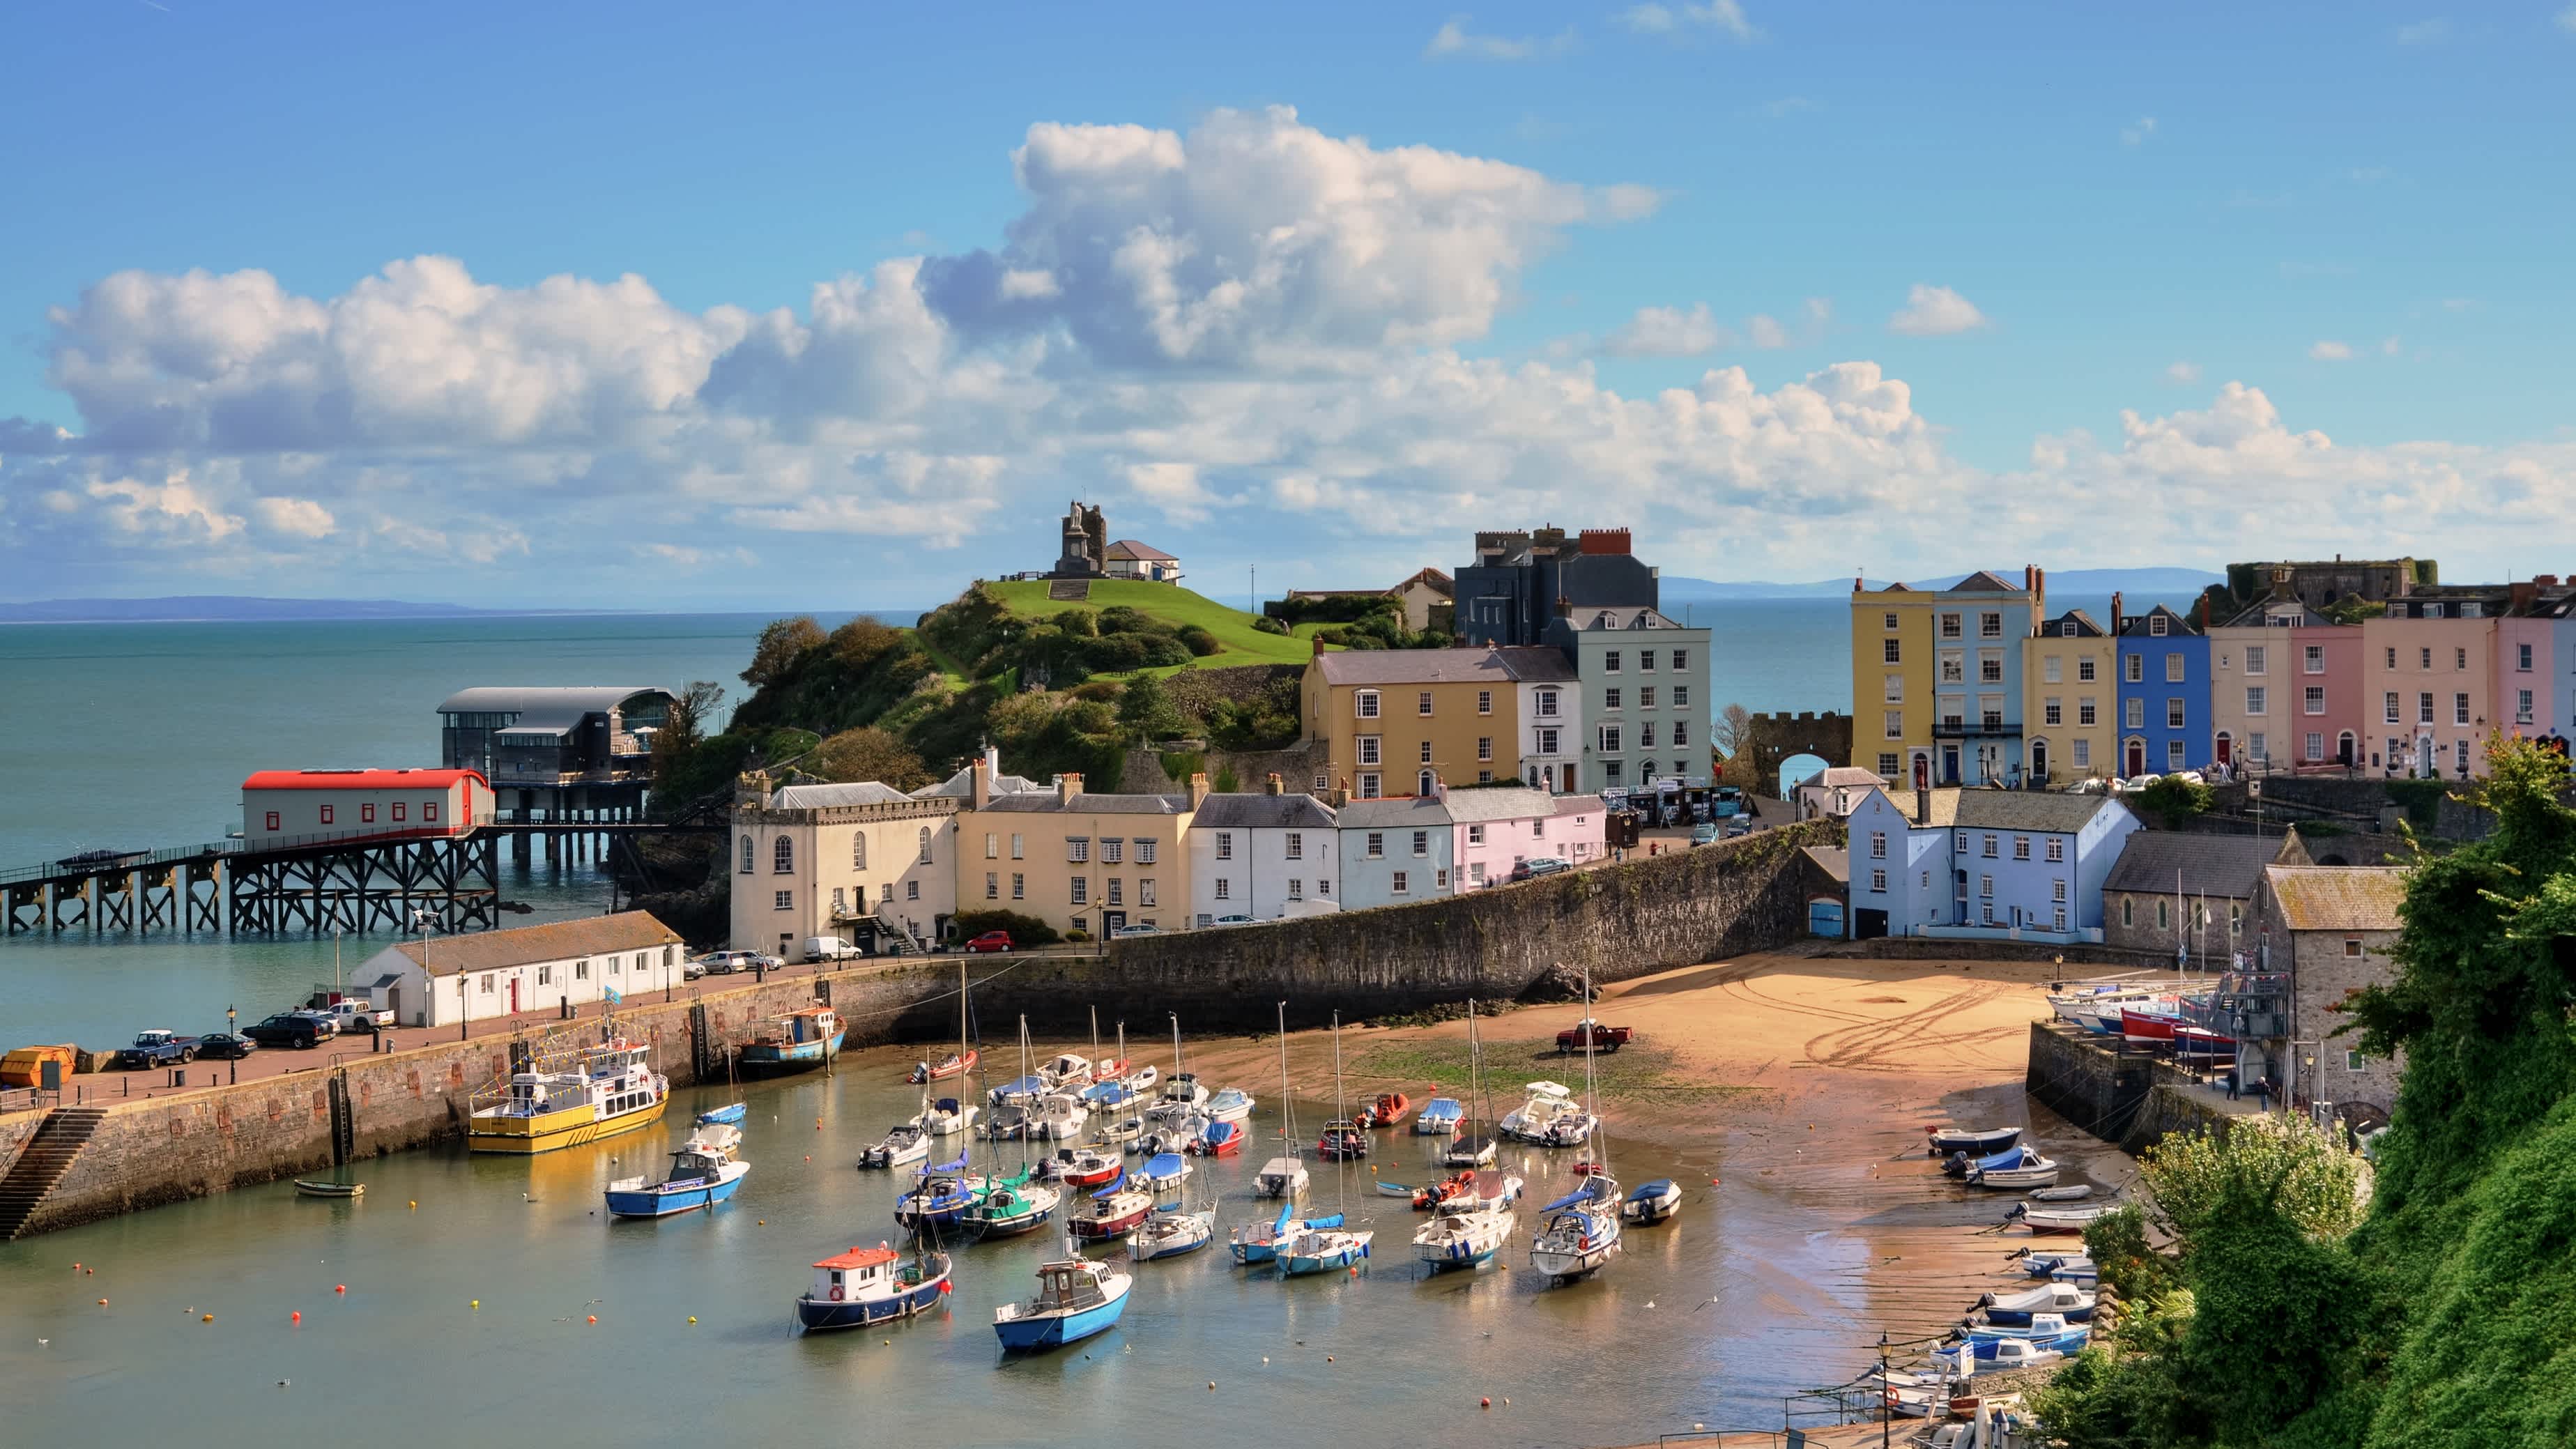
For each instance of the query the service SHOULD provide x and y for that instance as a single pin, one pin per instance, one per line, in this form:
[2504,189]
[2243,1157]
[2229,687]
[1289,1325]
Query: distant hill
[2150,582]
[231,608]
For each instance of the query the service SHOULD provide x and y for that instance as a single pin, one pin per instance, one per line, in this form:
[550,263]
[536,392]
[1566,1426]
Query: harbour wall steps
[1621,921]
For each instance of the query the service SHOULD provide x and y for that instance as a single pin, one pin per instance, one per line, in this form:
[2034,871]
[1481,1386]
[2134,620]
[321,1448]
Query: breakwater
[1621,921]
[2129,1098]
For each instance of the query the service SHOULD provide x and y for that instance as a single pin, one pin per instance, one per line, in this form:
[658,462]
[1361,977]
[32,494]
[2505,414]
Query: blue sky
[2255,279]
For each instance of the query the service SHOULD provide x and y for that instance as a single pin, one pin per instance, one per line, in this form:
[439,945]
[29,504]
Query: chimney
[1272,785]
[1199,788]
[1340,795]
[2038,597]
[979,779]
[1067,788]
[1855,583]
[1318,642]
[2524,595]
[1922,805]
[2115,611]
[2030,578]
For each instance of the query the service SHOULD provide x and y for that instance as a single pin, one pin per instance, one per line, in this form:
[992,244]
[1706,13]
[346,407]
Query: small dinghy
[1976,1142]
[2044,1220]
[905,1143]
[1216,1139]
[1142,1080]
[2073,1304]
[1439,1117]
[946,1117]
[1124,1132]
[2044,1331]
[1387,1110]
[1456,1185]
[2018,1167]
[2074,1193]
[1077,1298]
[1651,1202]
[2074,1268]
[330,1189]
[729,1115]
[1229,1105]
[871,1285]
[955,1064]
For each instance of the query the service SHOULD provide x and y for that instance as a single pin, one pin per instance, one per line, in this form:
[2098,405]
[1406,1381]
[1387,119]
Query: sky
[837,307]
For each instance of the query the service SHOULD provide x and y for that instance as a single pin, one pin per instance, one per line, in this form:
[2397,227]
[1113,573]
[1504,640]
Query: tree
[868,753]
[1146,711]
[1732,730]
[862,642]
[2310,1176]
[783,644]
[2177,800]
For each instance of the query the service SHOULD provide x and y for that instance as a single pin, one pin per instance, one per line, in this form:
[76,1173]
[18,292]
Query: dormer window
[1604,620]
[2156,625]
[2068,629]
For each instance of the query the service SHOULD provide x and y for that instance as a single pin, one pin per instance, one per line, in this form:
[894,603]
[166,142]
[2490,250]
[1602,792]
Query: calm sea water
[403,1358]
[139,735]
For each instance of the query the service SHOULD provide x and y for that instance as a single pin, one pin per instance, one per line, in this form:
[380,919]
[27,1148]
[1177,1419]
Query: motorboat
[1387,1109]
[794,1041]
[1021,1091]
[1548,1116]
[2043,1220]
[1579,1231]
[2043,1331]
[1322,1250]
[570,1096]
[1976,1142]
[1108,1096]
[1082,1167]
[1457,1185]
[2014,1167]
[1163,1173]
[1058,1117]
[1469,1151]
[947,1117]
[1008,1122]
[905,1142]
[703,1172]
[1281,1177]
[1123,1132]
[1651,1202]
[1228,1104]
[1439,1117]
[1076,1298]
[955,1064]
[1172,1136]
[1216,1139]
[2064,1299]
[1184,1090]
[1142,1079]
[871,1285]
[1343,1141]
[1017,1204]
[1111,1212]
[1966,1361]
[2072,1268]
[1463,1233]
[1170,1234]
[1067,1073]
[940,1197]
[730,1115]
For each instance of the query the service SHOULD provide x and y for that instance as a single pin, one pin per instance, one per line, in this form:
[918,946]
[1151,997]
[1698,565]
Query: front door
[1949,764]
[1111,922]
[2137,758]
[2225,746]
[514,996]
[2039,761]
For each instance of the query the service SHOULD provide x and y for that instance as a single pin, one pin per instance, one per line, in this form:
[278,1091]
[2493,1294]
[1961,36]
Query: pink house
[1498,827]
[2325,678]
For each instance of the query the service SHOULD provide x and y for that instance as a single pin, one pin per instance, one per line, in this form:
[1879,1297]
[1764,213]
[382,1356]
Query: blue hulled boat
[729,1115]
[703,1173]
[1076,1299]
[796,1041]
[940,1198]
[871,1285]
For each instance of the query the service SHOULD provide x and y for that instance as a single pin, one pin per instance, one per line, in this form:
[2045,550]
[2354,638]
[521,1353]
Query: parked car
[1232,921]
[219,1046]
[350,1016]
[1740,825]
[1603,1038]
[157,1048]
[1707,834]
[725,963]
[830,948]
[1539,865]
[989,941]
[692,970]
[289,1028]
[1136,930]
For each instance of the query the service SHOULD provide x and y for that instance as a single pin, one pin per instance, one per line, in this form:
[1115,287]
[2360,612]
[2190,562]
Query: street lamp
[233,1065]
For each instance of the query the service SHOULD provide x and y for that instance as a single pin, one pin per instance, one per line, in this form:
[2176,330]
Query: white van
[830,948]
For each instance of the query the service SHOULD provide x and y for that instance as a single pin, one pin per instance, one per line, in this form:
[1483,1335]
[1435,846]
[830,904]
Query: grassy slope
[1174,605]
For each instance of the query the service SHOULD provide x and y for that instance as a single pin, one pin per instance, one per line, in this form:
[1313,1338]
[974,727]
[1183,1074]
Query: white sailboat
[1579,1232]
[1469,1148]
[1284,1176]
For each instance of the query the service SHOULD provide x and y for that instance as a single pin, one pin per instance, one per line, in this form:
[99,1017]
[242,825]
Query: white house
[1396,850]
[1128,559]
[1265,856]
[1835,793]
[440,980]
[1551,719]
[280,805]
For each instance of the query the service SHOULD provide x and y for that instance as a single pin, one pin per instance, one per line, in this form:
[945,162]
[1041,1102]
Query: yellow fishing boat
[569,1096]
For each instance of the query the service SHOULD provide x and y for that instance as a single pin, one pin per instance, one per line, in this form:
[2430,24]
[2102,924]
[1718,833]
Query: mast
[1287,1102]
[1591,1105]
[1176,1042]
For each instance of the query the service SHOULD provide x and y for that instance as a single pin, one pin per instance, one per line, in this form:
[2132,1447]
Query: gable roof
[2338,897]
[2135,626]
[2045,810]
[1432,579]
[1505,802]
[1833,776]
[553,941]
[824,797]
[1240,811]
[1478,664]
[961,786]
[2207,865]
[1128,548]
[1941,806]
[1409,811]
[2085,627]
[1983,581]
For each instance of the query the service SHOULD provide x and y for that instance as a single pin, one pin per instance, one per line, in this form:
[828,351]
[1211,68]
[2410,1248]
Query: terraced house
[2164,692]
[1398,721]
[2069,675]
[1078,861]
[1941,671]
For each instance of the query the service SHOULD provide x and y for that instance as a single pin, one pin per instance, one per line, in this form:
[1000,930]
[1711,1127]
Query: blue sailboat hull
[657,1203]
[821,1315]
[1026,1335]
[732,1114]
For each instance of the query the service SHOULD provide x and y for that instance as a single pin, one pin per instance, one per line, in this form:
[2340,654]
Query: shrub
[1023,930]
[1226,783]
[2176,799]
[1121,619]
[1267,625]
[1077,623]
[1198,640]
[1077,935]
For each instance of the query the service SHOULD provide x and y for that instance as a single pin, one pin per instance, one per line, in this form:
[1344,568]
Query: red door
[2223,743]
[514,996]
[2137,758]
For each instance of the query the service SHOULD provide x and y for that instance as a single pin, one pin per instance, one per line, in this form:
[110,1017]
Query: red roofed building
[284,806]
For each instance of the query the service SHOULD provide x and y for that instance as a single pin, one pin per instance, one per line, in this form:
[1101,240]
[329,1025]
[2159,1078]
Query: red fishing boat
[2139,1025]
[1084,1166]
[951,1065]
[1112,1212]
[1386,1111]
[1217,1139]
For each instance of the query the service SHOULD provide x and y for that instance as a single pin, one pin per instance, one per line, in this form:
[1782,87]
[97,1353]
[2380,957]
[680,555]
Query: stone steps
[43,1163]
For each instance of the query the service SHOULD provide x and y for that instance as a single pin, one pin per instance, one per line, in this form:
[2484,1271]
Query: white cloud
[1173,489]
[300,517]
[1931,311]
[2390,346]
[2138,132]
[2424,32]
[1454,40]
[1721,17]
[1765,332]
[1668,332]
[2183,372]
[2567,19]
[2330,352]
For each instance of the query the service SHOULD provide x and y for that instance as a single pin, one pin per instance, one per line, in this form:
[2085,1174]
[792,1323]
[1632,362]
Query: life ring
[1587,1242]
[836,1292]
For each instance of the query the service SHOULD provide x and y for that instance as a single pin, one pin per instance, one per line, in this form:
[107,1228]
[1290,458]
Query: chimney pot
[979,781]
[1199,789]
[1068,788]
[1319,647]
[1922,805]
[1276,786]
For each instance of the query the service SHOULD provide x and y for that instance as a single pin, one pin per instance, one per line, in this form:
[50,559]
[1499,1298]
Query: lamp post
[232,1067]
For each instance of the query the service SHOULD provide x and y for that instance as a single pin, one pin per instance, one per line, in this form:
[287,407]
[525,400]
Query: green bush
[1077,935]
[1198,640]
[1225,782]
[1267,625]
[1023,930]
[1076,623]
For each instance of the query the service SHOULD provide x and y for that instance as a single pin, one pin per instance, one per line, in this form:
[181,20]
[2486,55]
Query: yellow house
[2069,699]
[1397,721]
[1077,861]
[1891,651]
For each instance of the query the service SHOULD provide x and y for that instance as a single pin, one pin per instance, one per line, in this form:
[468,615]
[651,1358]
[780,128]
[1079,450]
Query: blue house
[1984,864]
[2165,722]
[1978,627]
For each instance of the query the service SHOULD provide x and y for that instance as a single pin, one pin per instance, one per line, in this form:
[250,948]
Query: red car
[989,941]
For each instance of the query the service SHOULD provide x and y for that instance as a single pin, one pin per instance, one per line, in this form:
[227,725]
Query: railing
[177,854]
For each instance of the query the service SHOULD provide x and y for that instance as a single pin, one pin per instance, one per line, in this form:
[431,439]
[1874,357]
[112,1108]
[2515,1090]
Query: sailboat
[1343,1139]
[1168,1232]
[1467,1148]
[1019,1203]
[947,1116]
[1579,1231]
[1313,1248]
[1284,1176]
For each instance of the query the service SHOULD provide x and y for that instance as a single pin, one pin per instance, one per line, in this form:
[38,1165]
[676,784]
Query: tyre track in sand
[1865,1045]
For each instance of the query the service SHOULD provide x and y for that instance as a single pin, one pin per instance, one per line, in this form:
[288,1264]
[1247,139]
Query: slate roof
[2045,810]
[2338,897]
[1579,805]
[2176,626]
[1833,860]
[1537,664]
[2085,626]
[553,941]
[555,708]
[1834,776]
[1044,802]
[1262,812]
[825,797]
[2261,611]
[1405,812]
[1415,666]
[2230,866]
[1513,803]
[961,786]
[1587,618]
[1983,581]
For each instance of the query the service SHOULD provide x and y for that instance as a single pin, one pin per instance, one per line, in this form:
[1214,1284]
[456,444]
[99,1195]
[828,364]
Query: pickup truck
[1603,1038]
[158,1049]
[349,1016]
